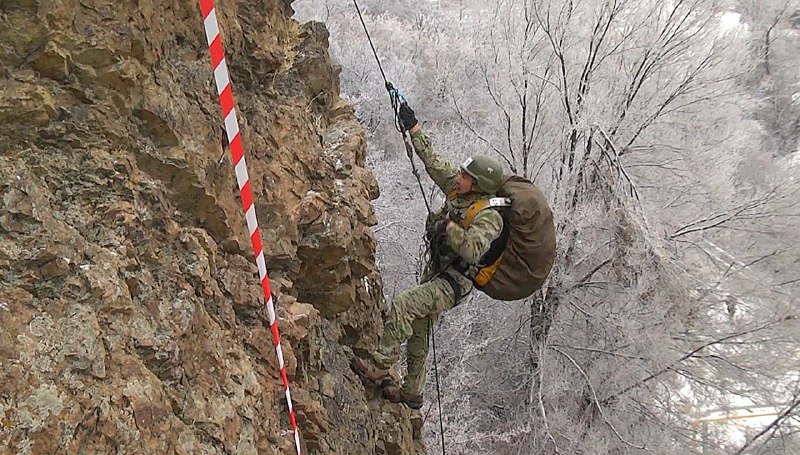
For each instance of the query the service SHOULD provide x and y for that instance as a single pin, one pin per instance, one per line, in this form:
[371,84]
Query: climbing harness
[398,99]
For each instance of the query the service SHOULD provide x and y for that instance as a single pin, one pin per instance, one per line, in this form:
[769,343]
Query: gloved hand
[407,118]
[437,228]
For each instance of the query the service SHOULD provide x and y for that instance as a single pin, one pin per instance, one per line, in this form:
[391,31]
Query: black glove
[436,229]
[407,118]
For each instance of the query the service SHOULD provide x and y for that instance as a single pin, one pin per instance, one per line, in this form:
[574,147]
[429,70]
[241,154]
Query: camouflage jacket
[470,243]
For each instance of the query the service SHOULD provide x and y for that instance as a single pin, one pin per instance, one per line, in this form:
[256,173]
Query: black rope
[397,100]
[410,154]
[369,38]
[432,337]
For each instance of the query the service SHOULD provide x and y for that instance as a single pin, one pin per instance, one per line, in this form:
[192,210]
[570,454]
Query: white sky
[730,20]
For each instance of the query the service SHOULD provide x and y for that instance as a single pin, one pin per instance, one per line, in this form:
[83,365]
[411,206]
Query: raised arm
[438,167]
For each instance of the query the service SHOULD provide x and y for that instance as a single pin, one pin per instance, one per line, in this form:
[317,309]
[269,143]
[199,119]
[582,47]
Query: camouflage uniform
[415,310]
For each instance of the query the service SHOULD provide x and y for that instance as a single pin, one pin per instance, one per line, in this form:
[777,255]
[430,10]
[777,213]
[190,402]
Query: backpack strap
[481,273]
[482,204]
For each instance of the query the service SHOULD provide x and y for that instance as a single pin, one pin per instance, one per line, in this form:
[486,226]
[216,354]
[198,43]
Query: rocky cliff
[131,320]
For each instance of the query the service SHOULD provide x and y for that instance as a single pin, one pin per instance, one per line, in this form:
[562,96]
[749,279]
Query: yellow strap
[481,204]
[486,273]
[473,210]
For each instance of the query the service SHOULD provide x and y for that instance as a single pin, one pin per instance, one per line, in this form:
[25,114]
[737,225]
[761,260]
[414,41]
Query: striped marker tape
[225,92]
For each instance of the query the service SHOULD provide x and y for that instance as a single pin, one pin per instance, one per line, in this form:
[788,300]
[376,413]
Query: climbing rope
[369,38]
[432,337]
[398,99]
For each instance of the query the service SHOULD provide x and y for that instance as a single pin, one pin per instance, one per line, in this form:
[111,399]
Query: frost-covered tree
[774,39]
[631,115]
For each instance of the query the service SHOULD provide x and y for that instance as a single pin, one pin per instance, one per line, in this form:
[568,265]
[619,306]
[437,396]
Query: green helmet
[487,172]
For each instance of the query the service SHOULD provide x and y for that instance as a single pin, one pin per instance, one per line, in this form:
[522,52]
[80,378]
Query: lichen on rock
[131,317]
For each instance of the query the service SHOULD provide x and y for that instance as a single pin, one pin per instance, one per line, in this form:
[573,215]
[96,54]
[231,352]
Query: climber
[444,283]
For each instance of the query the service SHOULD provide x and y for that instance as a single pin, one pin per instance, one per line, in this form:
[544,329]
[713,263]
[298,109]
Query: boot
[396,394]
[367,369]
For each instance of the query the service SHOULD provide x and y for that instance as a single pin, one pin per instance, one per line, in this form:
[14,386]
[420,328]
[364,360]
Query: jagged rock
[131,315]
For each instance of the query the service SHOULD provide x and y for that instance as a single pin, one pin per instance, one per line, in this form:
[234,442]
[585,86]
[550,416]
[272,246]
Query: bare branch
[691,354]
[596,401]
[786,414]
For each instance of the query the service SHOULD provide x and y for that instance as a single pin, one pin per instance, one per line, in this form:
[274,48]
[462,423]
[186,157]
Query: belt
[465,269]
[453,284]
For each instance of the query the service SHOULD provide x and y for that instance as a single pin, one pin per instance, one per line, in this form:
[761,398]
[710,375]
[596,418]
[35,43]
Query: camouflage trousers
[413,314]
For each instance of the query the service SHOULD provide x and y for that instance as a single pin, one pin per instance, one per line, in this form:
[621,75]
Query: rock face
[131,320]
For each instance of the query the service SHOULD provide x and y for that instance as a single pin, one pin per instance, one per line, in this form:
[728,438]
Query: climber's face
[463,183]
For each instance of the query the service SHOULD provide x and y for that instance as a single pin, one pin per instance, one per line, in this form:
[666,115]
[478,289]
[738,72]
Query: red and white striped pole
[225,92]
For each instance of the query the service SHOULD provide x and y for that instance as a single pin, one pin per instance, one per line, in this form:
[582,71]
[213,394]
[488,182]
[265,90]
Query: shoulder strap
[482,204]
